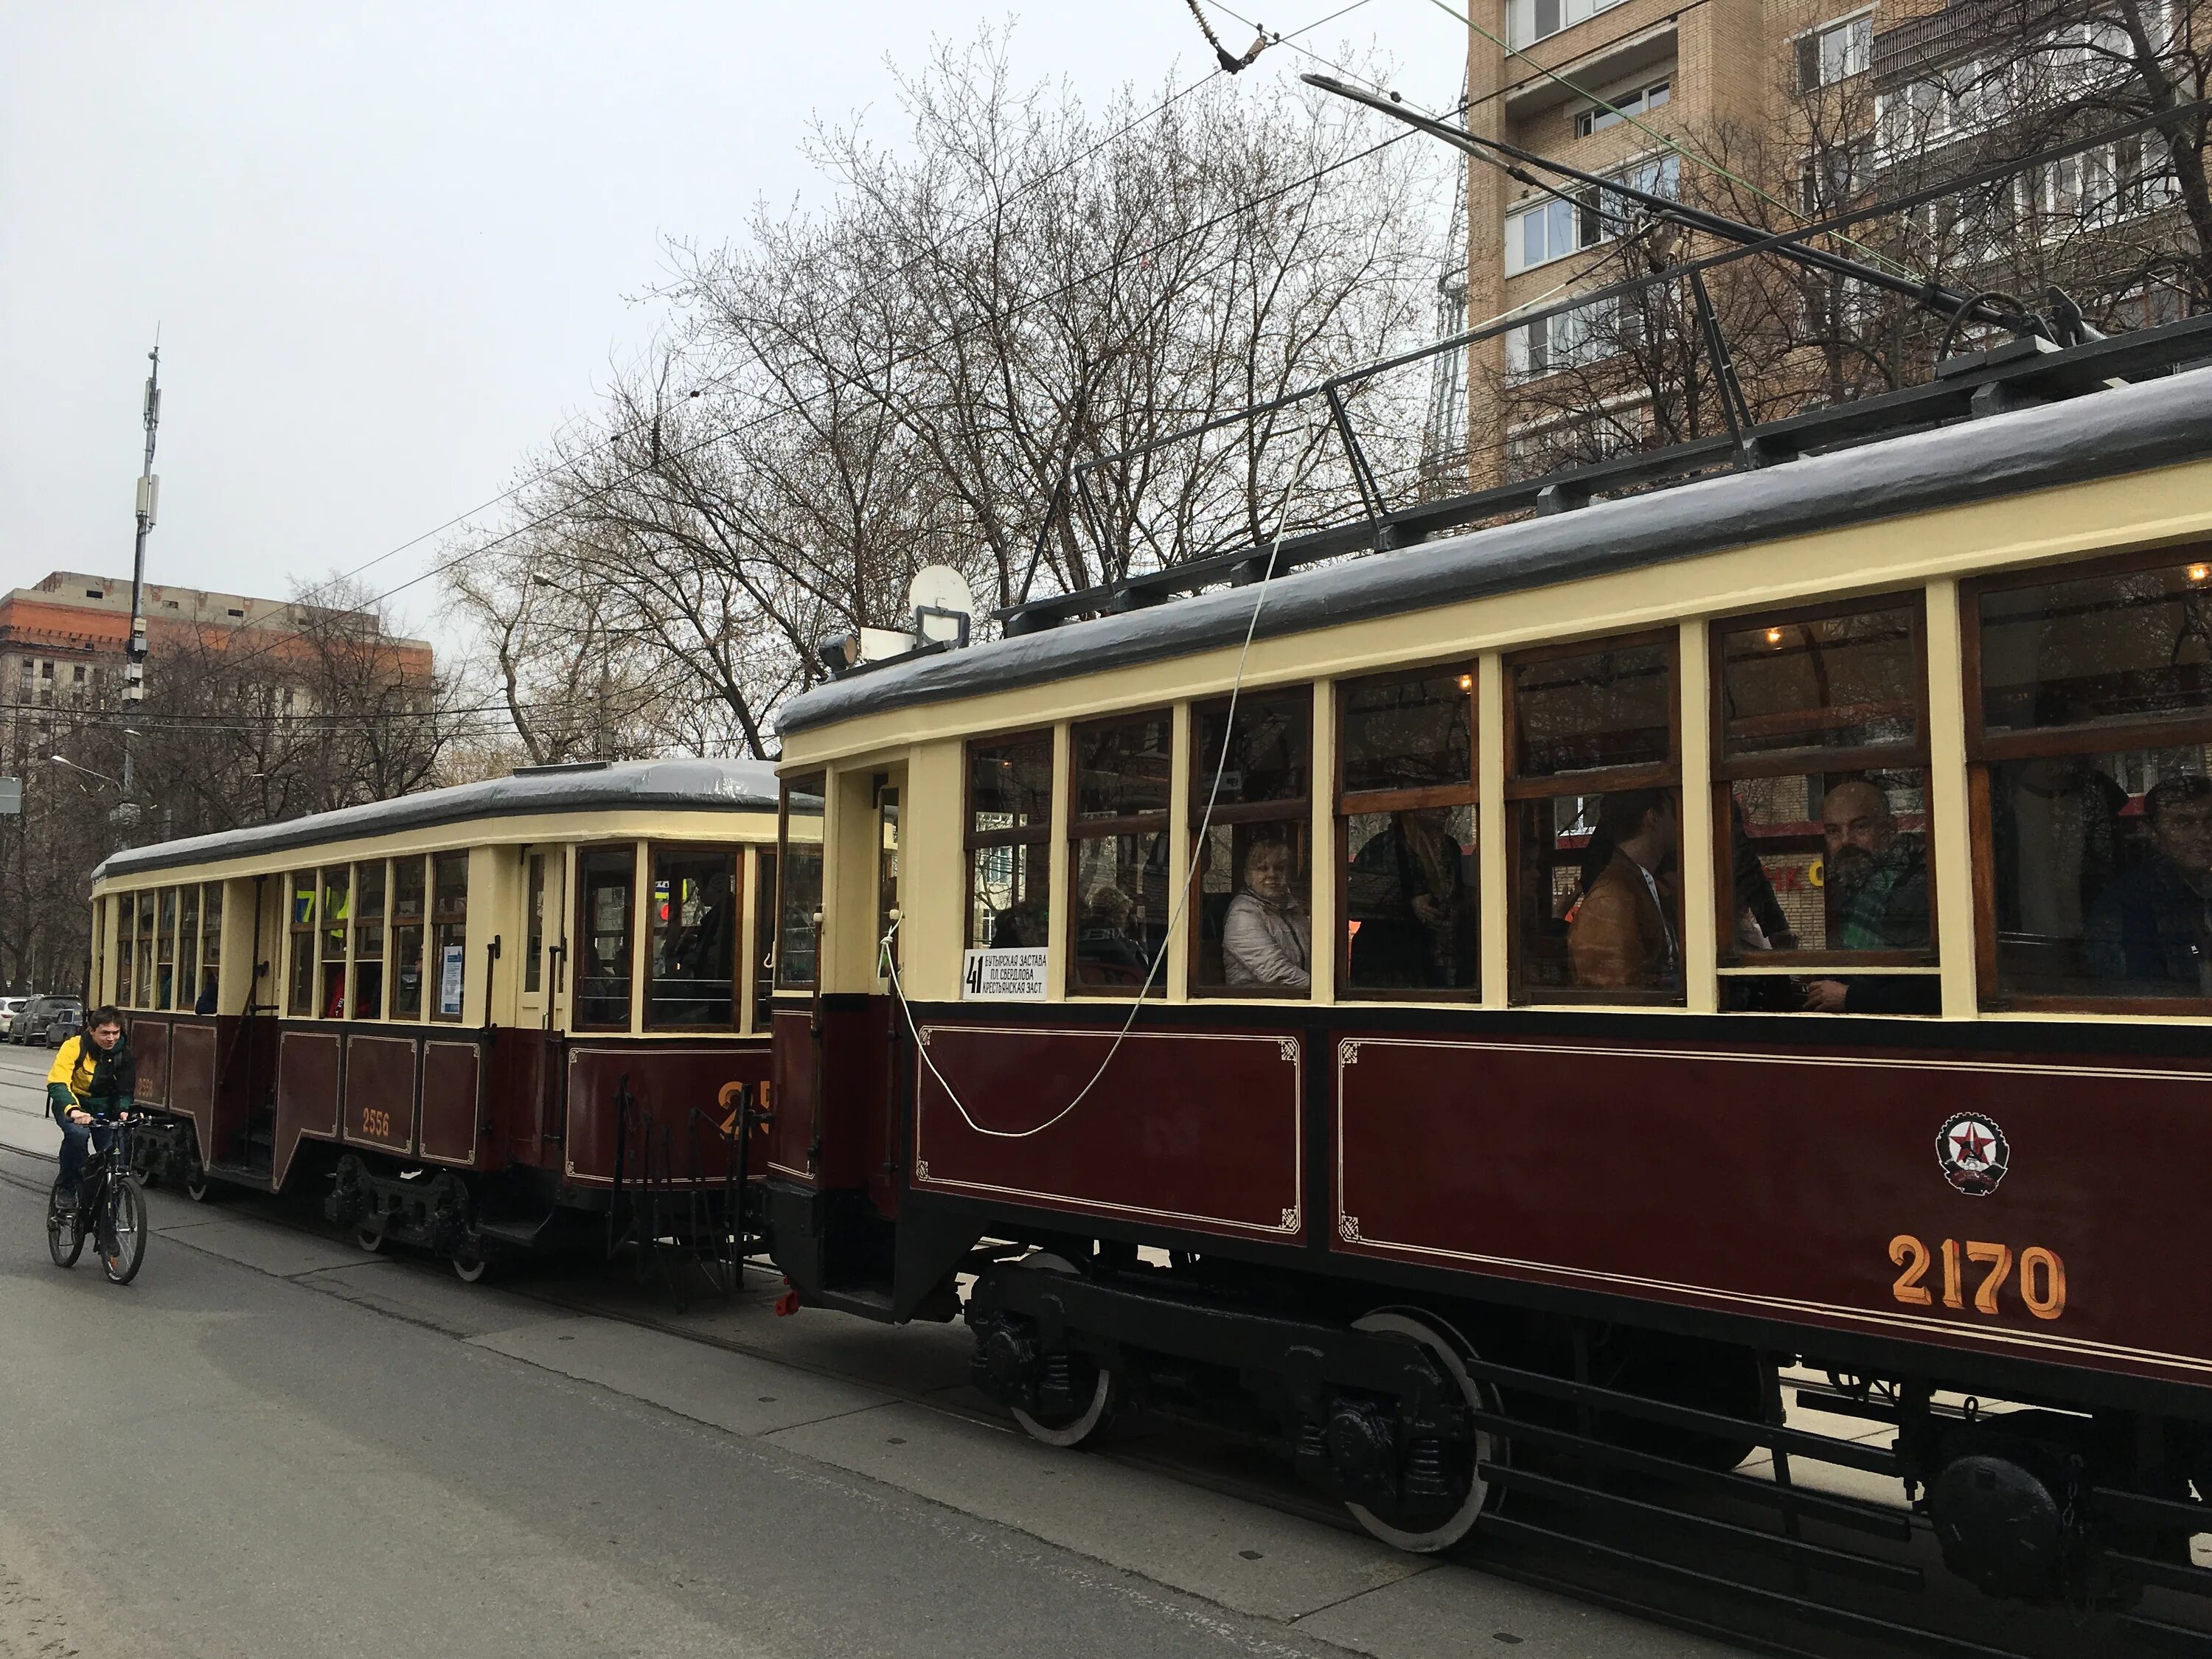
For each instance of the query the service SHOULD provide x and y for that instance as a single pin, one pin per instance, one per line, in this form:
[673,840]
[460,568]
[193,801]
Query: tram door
[541,999]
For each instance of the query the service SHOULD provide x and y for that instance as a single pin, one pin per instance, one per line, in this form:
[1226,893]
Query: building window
[1405,836]
[449,917]
[1828,180]
[693,916]
[1593,787]
[76,674]
[1835,52]
[1119,783]
[368,941]
[1635,101]
[1572,339]
[798,890]
[45,670]
[1009,842]
[407,921]
[1819,739]
[2089,744]
[300,999]
[606,882]
[1550,230]
[1251,789]
[1530,21]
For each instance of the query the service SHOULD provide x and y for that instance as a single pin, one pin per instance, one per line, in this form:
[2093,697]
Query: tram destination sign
[1006,975]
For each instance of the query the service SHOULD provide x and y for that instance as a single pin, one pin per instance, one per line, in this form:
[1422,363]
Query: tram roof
[2126,429]
[690,784]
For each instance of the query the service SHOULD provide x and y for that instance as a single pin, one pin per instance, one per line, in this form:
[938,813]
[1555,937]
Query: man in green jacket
[95,1069]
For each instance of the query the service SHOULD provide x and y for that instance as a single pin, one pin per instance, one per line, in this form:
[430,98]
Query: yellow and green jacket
[84,1073]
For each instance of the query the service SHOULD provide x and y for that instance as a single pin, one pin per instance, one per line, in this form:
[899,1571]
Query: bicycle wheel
[122,1229]
[63,1237]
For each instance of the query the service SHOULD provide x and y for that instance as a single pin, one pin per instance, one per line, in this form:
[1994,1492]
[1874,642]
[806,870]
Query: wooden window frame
[764,865]
[1297,813]
[736,852]
[433,920]
[211,959]
[974,841]
[323,963]
[1080,829]
[1910,754]
[126,949]
[1359,802]
[294,932]
[99,952]
[391,929]
[148,910]
[582,931]
[185,992]
[1599,780]
[1984,750]
[356,919]
[812,986]
[168,905]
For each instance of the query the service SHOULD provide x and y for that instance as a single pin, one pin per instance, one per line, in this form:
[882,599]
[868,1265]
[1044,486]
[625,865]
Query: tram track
[1533,1541]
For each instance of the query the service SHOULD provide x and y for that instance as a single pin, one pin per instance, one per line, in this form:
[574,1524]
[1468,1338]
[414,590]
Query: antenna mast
[149,495]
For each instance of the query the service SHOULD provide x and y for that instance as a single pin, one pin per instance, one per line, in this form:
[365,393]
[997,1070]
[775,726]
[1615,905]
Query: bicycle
[109,1205]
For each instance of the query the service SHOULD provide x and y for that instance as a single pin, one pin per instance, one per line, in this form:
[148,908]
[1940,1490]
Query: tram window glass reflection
[533,927]
[165,951]
[449,917]
[337,922]
[1406,832]
[98,951]
[407,922]
[763,937]
[1120,776]
[1823,873]
[144,948]
[799,891]
[1254,864]
[188,943]
[606,880]
[694,913]
[1009,842]
[300,999]
[1593,787]
[368,941]
[2091,772]
[210,974]
[126,937]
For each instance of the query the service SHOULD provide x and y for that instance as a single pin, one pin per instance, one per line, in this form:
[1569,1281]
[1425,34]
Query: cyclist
[93,1068]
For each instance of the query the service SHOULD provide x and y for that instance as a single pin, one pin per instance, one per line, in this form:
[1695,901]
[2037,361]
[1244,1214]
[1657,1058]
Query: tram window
[763,937]
[188,943]
[1255,867]
[798,900]
[1009,842]
[300,999]
[1592,780]
[2091,779]
[337,920]
[407,922]
[449,917]
[887,869]
[126,936]
[1120,776]
[1823,827]
[98,951]
[210,974]
[368,941]
[144,948]
[606,882]
[1405,836]
[533,928]
[694,915]
[165,951]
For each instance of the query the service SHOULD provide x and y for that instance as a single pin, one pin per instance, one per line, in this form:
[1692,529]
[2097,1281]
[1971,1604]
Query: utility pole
[149,495]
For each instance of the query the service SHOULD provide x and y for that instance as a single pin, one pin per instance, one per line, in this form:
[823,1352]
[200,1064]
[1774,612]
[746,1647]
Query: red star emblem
[1969,1143]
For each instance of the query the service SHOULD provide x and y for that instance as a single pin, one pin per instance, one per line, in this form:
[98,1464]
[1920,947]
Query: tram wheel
[196,1184]
[1451,1351]
[1090,1423]
[369,1238]
[469,1265]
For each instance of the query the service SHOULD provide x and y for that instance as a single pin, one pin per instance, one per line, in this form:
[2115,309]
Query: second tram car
[474,1010]
[1626,979]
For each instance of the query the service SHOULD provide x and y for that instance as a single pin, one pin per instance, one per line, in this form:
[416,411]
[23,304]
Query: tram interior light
[2198,573]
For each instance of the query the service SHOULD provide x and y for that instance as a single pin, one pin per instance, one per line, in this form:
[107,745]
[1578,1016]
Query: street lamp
[64,759]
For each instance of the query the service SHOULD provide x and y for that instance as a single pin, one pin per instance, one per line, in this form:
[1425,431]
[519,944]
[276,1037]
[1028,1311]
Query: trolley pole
[150,493]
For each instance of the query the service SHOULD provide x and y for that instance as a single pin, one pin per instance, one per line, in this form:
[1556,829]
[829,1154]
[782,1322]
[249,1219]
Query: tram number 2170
[2042,1275]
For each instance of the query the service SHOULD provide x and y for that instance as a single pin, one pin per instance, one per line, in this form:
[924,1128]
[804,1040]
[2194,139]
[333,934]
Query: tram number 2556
[375,1122]
[2042,1275]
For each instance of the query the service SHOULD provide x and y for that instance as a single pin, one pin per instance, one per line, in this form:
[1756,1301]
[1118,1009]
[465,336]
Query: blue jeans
[76,1137]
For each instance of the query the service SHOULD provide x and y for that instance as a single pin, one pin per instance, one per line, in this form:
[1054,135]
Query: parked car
[9,1007]
[65,1024]
[32,1019]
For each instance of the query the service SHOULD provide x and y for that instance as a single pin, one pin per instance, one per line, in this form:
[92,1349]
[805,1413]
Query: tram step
[244,1174]
[866,1301]
[521,1233]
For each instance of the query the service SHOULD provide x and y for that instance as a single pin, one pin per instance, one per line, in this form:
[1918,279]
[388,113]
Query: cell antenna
[149,496]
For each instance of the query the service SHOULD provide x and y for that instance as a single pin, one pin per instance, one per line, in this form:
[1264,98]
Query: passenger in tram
[1266,936]
[1619,937]
[2154,924]
[1108,950]
[2057,839]
[1409,890]
[1876,885]
[206,1003]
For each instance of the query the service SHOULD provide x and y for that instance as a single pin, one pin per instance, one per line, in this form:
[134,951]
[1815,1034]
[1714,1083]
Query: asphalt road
[271,1444]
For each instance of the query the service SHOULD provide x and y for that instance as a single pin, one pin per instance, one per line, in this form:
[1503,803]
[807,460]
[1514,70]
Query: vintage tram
[475,1013]
[1538,1016]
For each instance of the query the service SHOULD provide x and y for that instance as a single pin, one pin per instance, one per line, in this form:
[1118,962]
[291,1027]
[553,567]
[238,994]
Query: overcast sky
[390,246]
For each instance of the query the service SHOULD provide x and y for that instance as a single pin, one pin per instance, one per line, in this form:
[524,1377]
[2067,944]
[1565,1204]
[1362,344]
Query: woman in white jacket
[1267,937]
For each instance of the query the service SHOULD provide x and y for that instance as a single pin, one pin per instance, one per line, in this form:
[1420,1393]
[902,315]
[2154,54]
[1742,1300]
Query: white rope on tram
[888,945]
